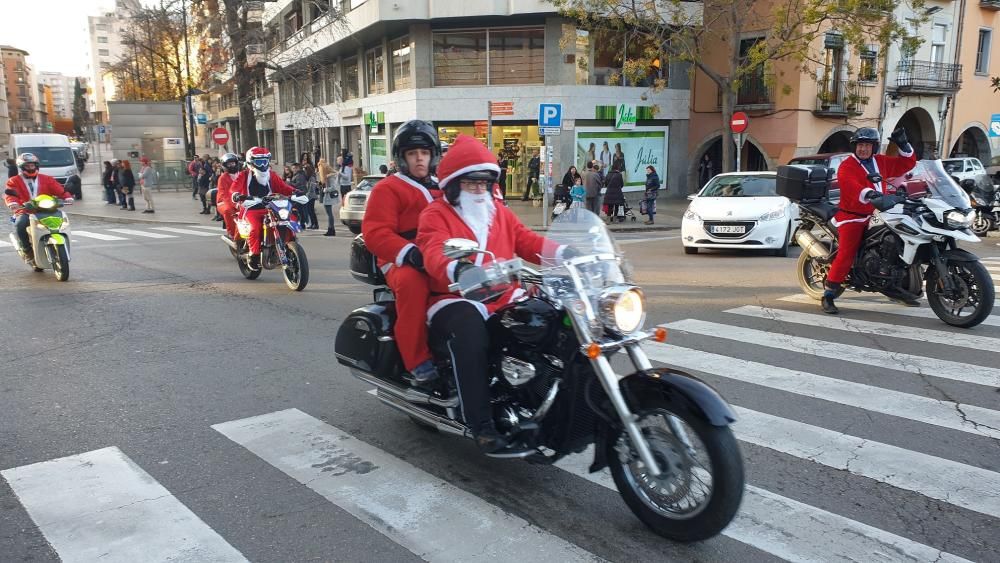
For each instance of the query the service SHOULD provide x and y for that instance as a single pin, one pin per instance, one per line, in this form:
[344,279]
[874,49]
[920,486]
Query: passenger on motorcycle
[389,228]
[457,325]
[256,181]
[28,185]
[224,195]
[862,191]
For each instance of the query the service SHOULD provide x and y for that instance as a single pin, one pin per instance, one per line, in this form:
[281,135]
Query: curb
[126,220]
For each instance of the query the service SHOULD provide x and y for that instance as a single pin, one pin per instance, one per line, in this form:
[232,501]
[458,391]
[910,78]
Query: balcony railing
[925,77]
[756,92]
[848,98]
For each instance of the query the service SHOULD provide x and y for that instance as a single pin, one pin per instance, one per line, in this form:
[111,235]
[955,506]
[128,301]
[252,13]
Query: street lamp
[190,112]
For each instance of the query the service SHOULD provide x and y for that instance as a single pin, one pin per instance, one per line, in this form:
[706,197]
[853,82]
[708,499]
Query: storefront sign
[374,119]
[632,150]
[501,108]
[376,154]
[481,128]
[995,125]
[625,116]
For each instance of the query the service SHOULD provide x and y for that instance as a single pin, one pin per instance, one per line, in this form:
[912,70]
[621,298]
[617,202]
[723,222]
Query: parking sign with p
[550,115]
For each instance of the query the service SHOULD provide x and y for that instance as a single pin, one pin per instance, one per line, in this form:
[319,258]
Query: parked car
[739,210]
[965,168]
[352,208]
[830,160]
[994,169]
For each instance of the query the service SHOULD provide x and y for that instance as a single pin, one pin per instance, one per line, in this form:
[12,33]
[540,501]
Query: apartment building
[348,86]
[22,90]
[4,112]
[105,49]
[63,89]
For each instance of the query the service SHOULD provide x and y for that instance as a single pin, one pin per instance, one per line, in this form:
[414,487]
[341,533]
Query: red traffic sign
[220,136]
[739,122]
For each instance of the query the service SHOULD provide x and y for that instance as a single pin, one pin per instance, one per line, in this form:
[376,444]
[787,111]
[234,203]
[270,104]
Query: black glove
[874,177]
[899,137]
[416,259]
[569,253]
[240,197]
[884,202]
[470,272]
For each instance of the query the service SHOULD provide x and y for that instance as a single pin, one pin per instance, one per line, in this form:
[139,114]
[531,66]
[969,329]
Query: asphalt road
[176,405]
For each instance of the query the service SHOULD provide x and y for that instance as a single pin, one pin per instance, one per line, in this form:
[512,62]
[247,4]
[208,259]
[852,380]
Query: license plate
[734,229]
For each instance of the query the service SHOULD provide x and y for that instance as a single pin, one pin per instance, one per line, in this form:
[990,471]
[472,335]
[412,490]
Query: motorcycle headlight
[46,203]
[623,309]
[778,213]
[956,219]
[690,214]
[283,214]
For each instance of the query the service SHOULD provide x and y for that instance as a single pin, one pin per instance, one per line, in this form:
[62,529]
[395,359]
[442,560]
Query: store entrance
[513,144]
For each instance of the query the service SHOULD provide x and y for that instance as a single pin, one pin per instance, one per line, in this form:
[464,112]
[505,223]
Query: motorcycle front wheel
[297,269]
[983,223]
[245,269]
[60,262]
[970,300]
[701,485]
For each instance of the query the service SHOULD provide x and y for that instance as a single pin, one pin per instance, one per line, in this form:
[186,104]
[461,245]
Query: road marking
[890,308]
[963,340]
[651,239]
[101,506]
[98,236]
[792,530]
[409,506]
[914,365]
[142,233]
[217,227]
[879,296]
[4,244]
[188,231]
[886,401]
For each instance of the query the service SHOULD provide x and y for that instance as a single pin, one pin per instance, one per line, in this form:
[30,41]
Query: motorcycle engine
[881,263]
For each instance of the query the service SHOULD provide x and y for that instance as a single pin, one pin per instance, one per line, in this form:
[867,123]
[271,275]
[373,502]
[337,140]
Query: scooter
[48,233]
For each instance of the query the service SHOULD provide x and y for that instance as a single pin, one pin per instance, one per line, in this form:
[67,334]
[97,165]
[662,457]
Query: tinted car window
[952,166]
[740,186]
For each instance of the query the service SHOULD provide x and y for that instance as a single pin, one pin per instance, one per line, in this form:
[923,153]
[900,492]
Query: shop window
[350,83]
[517,56]
[983,51]
[460,58]
[400,50]
[868,69]
[375,71]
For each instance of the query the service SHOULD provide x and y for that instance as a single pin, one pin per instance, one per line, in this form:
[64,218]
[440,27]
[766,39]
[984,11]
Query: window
[318,8]
[400,50]
[105,64]
[983,51]
[101,27]
[351,86]
[293,22]
[460,58]
[333,94]
[317,87]
[104,52]
[833,65]
[102,39]
[582,56]
[868,70]
[517,56]
[375,71]
[938,35]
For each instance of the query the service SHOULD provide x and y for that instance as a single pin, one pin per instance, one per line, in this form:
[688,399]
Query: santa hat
[465,155]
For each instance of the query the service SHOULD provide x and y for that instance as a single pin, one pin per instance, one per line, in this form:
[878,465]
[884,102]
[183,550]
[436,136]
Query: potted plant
[826,99]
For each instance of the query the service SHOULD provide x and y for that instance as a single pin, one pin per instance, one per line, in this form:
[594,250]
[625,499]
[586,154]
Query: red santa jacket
[47,185]
[241,185]
[392,215]
[508,238]
[854,184]
[224,193]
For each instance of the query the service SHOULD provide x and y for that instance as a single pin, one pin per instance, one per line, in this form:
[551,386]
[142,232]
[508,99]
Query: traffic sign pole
[739,149]
[738,124]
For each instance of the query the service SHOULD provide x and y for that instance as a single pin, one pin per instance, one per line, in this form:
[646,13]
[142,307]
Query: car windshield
[740,186]
[51,156]
[368,182]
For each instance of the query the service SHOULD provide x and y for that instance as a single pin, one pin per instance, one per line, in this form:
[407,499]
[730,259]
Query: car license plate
[734,229]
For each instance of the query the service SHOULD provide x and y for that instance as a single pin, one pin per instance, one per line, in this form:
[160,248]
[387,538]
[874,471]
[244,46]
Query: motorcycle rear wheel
[811,274]
[659,501]
[297,270]
[973,288]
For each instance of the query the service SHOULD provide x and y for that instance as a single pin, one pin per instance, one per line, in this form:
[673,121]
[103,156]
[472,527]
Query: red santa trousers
[849,236]
[256,219]
[412,292]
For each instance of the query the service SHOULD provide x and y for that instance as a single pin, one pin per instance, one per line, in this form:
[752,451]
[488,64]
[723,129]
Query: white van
[55,157]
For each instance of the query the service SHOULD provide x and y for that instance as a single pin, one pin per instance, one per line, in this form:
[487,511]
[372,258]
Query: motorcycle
[48,233]
[986,202]
[663,434]
[279,246]
[914,244]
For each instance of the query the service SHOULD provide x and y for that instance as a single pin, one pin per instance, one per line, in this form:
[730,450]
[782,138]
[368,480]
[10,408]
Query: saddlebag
[365,340]
[800,182]
[364,267]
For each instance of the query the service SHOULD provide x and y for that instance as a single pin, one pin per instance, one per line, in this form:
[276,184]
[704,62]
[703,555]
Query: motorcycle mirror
[10,192]
[458,248]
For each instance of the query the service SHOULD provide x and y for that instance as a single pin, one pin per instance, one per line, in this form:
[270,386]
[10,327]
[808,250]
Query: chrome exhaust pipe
[445,425]
[229,242]
[809,243]
[409,395]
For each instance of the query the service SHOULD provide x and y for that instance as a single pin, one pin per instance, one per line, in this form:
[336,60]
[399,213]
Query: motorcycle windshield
[940,184]
[599,262]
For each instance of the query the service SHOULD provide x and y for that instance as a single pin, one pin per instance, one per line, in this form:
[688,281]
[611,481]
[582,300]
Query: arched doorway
[973,142]
[837,142]
[920,130]
[753,160]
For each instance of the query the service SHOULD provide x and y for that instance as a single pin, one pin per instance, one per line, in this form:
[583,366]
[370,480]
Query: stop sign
[220,136]
[739,122]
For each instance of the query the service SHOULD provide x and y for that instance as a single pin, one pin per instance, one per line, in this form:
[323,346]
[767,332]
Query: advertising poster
[635,149]
[376,155]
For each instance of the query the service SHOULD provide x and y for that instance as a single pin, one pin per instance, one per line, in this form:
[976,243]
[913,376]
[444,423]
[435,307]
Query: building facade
[22,90]
[105,50]
[4,111]
[348,86]
[63,87]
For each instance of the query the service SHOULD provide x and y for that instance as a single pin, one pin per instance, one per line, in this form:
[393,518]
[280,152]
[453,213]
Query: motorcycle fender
[56,238]
[959,255]
[966,235]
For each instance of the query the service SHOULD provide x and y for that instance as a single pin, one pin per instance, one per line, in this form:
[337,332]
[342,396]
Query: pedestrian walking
[534,167]
[298,182]
[706,171]
[345,178]
[614,197]
[502,179]
[592,189]
[329,195]
[383,169]
[204,184]
[316,155]
[652,190]
[148,180]
[127,179]
[312,193]
[194,168]
[306,158]
[109,189]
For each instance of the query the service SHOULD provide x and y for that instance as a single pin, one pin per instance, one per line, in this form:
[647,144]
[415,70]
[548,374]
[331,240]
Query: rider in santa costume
[224,195]
[862,191]
[468,174]
[256,181]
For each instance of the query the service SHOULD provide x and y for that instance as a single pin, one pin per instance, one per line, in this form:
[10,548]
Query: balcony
[755,93]
[989,4]
[848,99]
[925,77]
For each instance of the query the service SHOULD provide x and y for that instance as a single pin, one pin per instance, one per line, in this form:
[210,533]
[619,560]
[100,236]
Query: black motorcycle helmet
[231,162]
[865,135]
[454,188]
[415,134]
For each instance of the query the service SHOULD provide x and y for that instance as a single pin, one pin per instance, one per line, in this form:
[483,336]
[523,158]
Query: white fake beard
[263,178]
[478,211]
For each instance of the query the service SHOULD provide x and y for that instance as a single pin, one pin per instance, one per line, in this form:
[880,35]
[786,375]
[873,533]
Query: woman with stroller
[614,197]
[652,190]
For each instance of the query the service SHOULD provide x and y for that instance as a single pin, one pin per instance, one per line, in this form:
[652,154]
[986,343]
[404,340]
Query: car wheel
[690,250]
[356,229]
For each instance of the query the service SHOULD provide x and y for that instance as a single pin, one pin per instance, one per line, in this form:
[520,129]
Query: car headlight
[778,213]
[955,219]
[283,214]
[690,214]
[622,309]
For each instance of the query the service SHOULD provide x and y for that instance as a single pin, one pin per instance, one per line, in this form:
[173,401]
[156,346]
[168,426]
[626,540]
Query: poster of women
[632,151]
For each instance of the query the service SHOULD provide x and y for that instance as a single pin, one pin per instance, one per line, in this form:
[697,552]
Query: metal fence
[926,76]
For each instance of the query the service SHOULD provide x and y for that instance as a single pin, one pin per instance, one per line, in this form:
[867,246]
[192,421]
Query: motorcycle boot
[828,296]
[254,262]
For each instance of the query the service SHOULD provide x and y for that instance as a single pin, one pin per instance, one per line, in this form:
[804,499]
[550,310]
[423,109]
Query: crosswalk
[135,234]
[421,512]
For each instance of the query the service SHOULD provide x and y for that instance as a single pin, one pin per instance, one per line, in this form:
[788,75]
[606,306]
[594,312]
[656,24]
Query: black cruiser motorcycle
[664,434]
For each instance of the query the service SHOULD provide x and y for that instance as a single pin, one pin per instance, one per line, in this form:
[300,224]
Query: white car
[739,210]
[352,208]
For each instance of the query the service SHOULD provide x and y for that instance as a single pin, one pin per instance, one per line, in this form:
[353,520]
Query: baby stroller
[561,201]
[619,213]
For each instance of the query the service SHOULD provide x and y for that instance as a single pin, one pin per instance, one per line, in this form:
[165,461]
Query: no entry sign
[739,122]
[220,136]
